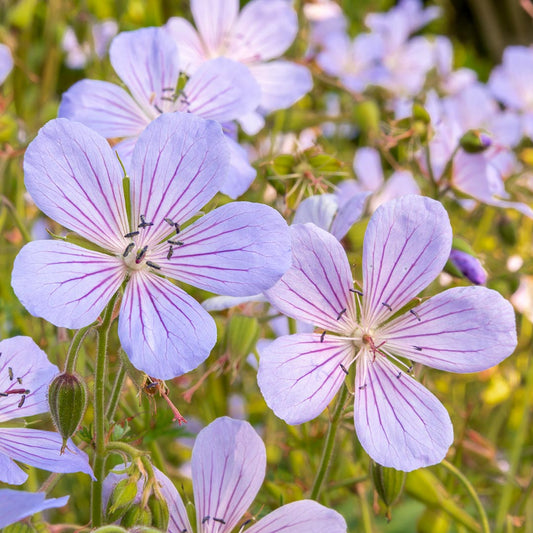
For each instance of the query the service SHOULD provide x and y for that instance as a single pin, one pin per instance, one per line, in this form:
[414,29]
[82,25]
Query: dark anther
[170,252]
[413,312]
[19,381]
[177,227]
[387,306]
[322,336]
[205,519]
[246,523]
[3,394]
[140,254]
[417,348]
[362,387]
[341,313]
[22,400]
[10,372]
[343,368]
[399,375]
[169,221]
[128,249]
[219,520]
[158,109]
[143,223]
[360,293]
[176,243]
[410,369]
[131,234]
[153,265]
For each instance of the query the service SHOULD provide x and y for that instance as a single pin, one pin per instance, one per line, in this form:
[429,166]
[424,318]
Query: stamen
[143,223]
[19,381]
[360,293]
[219,520]
[10,372]
[413,312]
[205,519]
[170,252]
[417,348]
[128,249]
[341,313]
[362,387]
[399,361]
[16,391]
[3,394]
[322,336]
[176,243]
[169,221]
[343,368]
[153,265]
[140,254]
[387,306]
[131,234]
[158,109]
[399,375]
[22,400]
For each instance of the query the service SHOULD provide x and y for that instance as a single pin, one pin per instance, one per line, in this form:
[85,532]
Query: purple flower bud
[469,266]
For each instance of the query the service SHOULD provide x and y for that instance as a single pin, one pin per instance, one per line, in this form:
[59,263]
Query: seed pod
[121,499]
[67,397]
[137,516]
[475,141]
[388,483]
[160,513]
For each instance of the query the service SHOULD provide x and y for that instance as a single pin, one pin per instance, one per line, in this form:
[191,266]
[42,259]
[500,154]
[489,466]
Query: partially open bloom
[178,165]
[261,32]
[17,504]
[148,62]
[466,329]
[25,374]
[228,468]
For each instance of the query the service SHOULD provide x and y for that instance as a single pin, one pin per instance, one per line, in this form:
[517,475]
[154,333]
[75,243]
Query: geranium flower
[17,504]
[147,61]
[179,163]
[262,31]
[25,374]
[466,329]
[228,468]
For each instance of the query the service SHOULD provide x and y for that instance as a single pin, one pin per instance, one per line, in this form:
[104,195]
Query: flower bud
[67,397]
[367,117]
[121,498]
[137,515]
[468,266]
[241,335]
[388,483]
[160,514]
[475,141]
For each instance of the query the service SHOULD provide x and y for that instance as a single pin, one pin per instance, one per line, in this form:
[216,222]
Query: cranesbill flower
[466,329]
[178,165]
[25,374]
[147,61]
[262,31]
[17,504]
[228,468]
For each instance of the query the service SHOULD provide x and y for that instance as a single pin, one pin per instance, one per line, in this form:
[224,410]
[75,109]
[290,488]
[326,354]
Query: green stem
[327,452]
[16,218]
[124,448]
[115,393]
[99,415]
[485,528]
[72,355]
[366,515]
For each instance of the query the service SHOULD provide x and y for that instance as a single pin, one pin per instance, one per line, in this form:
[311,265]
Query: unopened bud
[475,141]
[137,515]
[241,335]
[121,498]
[367,117]
[160,514]
[433,521]
[468,266]
[67,397]
[420,113]
[388,483]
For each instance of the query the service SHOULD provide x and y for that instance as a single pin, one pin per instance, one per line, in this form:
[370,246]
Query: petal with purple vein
[74,177]
[399,423]
[164,331]
[64,283]
[239,249]
[228,468]
[300,374]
